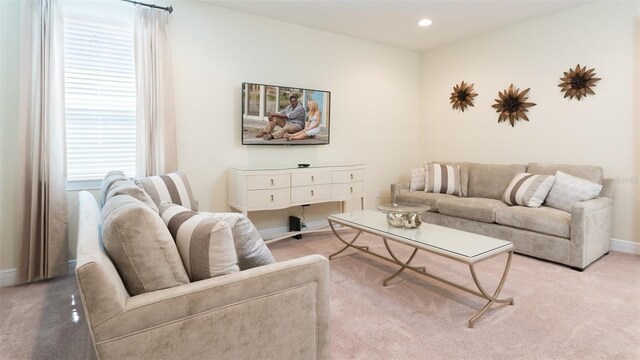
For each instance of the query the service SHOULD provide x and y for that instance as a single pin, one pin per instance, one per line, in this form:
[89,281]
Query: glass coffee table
[457,245]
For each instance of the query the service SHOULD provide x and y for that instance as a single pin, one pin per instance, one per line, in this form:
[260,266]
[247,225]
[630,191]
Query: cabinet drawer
[267,198]
[310,194]
[310,178]
[274,181]
[348,190]
[343,176]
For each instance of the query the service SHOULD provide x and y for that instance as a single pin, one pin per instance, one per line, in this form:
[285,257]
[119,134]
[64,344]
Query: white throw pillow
[569,190]
[417,179]
[528,189]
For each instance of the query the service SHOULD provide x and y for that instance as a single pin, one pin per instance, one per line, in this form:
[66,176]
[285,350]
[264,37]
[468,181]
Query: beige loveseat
[576,239]
[276,311]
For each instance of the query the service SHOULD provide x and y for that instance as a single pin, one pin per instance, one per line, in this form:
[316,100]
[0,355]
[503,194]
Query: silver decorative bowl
[407,216]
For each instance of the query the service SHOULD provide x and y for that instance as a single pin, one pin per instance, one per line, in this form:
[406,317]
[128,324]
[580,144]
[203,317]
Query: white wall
[374,100]
[600,130]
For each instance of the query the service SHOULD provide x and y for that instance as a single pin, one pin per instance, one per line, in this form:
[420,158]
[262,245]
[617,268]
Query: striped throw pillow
[205,244]
[444,179]
[417,179]
[528,189]
[173,188]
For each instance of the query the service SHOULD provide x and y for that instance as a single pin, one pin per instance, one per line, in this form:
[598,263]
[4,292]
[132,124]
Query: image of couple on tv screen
[292,122]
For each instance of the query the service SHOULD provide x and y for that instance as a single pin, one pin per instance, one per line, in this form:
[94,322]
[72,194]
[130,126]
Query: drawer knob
[351,176]
[271,182]
[311,192]
[271,197]
[350,188]
[312,178]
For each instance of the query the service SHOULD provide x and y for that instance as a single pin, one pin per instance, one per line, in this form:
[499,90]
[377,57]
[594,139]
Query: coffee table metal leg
[492,299]
[347,244]
[403,264]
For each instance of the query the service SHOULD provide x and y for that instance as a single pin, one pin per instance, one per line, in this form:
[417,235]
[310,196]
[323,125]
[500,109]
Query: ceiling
[395,22]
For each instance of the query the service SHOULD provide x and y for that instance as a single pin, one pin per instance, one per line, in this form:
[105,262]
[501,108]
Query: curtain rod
[168,8]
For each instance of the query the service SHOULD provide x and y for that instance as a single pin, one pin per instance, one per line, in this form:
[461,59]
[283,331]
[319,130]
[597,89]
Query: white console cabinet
[256,189]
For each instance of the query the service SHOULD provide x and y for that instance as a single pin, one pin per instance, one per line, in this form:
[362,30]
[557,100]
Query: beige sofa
[277,311]
[575,239]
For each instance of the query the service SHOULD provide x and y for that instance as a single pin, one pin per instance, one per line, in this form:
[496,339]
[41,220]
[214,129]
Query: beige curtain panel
[43,212]
[156,114]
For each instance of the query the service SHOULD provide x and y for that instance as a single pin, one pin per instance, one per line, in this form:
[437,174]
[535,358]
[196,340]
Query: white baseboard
[625,246]
[8,277]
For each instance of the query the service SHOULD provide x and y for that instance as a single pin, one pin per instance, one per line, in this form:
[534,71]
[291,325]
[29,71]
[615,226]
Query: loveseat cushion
[490,181]
[422,198]
[479,209]
[127,187]
[109,180]
[544,220]
[205,245]
[591,173]
[172,188]
[140,246]
[250,247]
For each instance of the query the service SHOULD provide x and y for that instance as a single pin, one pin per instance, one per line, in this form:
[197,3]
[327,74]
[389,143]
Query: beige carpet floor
[559,313]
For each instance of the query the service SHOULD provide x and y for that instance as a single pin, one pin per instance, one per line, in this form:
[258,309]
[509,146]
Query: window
[100,95]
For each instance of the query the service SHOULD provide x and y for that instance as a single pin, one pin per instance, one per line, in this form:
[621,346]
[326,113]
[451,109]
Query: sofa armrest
[273,311]
[591,229]
[588,207]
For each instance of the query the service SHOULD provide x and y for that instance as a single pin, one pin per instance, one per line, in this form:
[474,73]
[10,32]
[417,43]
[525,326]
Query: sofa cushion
[422,198]
[417,179]
[490,181]
[205,245]
[108,181]
[444,179]
[479,209]
[464,175]
[140,246]
[544,220]
[528,189]
[591,173]
[250,247]
[569,190]
[172,187]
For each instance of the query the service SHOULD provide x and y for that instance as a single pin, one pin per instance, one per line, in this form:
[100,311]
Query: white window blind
[100,96]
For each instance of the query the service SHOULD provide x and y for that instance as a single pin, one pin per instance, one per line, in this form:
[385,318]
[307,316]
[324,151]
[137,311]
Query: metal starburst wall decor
[512,105]
[462,96]
[577,83]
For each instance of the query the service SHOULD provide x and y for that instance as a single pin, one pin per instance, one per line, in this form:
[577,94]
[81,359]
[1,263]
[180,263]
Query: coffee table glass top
[403,209]
[465,246]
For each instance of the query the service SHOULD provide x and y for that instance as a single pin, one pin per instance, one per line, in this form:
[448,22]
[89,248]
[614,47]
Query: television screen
[282,115]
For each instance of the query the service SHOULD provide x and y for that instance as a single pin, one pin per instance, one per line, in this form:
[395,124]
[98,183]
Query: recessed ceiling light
[424,22]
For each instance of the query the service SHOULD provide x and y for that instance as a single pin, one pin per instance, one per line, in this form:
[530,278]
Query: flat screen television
[259,101]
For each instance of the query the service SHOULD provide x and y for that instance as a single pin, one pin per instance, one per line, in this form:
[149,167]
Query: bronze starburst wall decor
[577,83]
[462,96]
[512,105]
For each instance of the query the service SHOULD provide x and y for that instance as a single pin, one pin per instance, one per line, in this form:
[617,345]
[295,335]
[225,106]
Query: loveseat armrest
[279,310]
[591,229]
